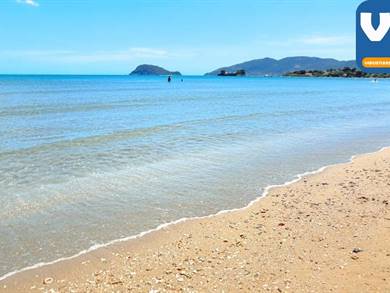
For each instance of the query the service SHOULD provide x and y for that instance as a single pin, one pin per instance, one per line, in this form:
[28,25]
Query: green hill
[269,66]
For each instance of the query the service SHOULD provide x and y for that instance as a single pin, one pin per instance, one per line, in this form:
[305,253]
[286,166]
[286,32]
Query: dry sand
[329,232]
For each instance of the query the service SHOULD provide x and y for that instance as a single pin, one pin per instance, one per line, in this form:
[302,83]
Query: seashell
[48,281]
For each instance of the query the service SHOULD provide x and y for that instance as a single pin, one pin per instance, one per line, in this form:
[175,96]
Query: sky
[192,36]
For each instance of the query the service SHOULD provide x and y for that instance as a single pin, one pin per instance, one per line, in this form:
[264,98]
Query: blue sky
[193,36]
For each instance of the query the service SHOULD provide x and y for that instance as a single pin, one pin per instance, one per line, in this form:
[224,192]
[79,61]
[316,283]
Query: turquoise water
[88,159]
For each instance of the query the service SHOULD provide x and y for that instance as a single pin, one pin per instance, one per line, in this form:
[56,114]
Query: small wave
[163,226]
[93,140]
[140,132]
[63,109]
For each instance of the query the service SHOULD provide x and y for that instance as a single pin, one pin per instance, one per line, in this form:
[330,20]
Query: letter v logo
[375,35]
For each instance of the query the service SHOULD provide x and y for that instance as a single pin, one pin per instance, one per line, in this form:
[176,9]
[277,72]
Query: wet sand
[328,232]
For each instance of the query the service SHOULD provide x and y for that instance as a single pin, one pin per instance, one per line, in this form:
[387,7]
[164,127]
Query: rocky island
[147,69]
[344,72]
[237,73]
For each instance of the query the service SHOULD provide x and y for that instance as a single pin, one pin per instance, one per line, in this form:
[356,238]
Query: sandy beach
[328,232]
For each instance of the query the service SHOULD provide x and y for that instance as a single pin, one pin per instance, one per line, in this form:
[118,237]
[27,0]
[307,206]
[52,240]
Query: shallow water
[88,159]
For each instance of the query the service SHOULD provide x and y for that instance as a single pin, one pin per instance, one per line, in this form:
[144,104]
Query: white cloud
[28,2]
[327,40]
[68,56]
[314,41]
[339,46]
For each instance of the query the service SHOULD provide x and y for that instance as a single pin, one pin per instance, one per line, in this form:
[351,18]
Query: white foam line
[163,226]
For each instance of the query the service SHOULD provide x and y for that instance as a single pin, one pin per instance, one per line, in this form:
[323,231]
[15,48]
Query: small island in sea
[239,72]
[146,69]
[344,72]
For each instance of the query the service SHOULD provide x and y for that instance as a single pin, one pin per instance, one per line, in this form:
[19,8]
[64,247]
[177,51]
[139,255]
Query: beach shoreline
[103,266]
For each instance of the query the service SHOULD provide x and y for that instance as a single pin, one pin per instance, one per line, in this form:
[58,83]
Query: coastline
[98,258]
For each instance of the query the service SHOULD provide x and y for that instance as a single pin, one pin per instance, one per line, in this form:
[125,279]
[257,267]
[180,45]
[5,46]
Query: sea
[85,160]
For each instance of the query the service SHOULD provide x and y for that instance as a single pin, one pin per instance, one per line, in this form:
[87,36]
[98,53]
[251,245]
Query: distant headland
[273,67]
[146,69]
